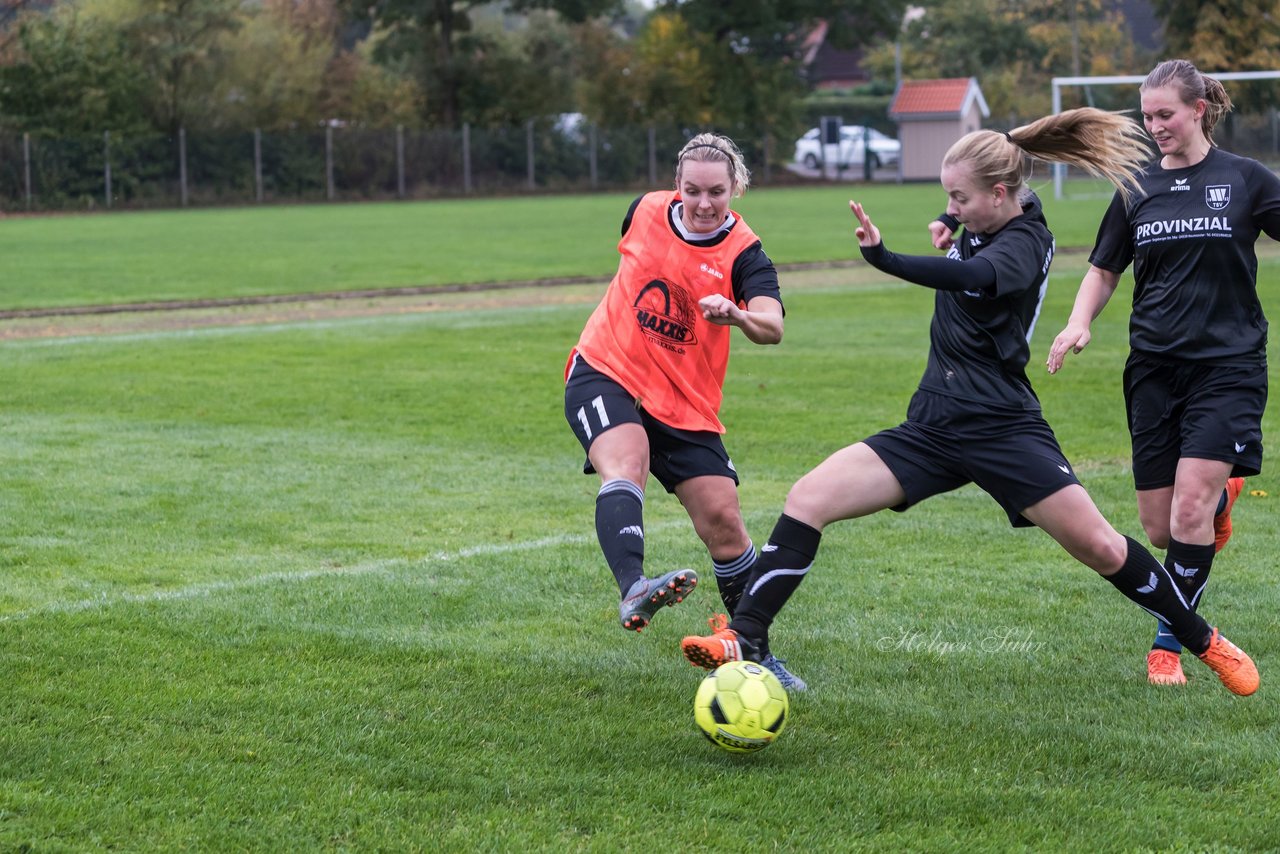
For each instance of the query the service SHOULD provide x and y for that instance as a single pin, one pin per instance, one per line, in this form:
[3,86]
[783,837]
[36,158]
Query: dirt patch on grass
[142,318]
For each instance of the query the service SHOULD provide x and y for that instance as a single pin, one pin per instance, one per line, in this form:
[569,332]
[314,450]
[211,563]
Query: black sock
[732,575]
[1189,565]
[1146,582]
[620,530]
[779,570]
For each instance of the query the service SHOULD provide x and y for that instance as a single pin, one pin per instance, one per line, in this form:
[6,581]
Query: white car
[884,150]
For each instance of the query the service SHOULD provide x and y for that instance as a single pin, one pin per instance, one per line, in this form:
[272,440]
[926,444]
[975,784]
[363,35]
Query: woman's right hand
[868,234]
[940,234]
[1073,338]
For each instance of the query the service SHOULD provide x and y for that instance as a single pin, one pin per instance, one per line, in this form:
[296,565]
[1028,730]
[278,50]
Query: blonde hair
[1103,144]
[713,148]
[1192,86]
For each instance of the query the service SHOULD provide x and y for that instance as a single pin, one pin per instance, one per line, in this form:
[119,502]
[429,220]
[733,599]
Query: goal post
[1059,171]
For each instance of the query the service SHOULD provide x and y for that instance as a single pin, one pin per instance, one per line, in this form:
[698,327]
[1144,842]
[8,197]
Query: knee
[1105,552]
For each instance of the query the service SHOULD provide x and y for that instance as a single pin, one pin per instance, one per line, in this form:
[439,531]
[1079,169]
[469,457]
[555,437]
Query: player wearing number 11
[644,383]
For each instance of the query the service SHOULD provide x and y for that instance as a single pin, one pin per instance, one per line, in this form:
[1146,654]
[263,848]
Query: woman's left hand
[721,310]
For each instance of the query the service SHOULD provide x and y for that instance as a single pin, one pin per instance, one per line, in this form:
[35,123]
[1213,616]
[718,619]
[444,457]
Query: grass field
[240,252]
[331,584]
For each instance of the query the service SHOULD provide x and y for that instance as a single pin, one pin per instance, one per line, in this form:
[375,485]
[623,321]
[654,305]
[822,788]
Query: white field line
[211,589]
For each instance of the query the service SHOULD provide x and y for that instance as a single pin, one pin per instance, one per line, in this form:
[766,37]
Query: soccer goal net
[1252,129]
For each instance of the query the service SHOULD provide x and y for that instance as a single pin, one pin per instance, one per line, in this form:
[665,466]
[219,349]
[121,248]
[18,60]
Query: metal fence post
[182,165]
[400,161]
[466,157]
[106,164]
[26,166]
[591,157]
[257,164]
[528,150]
[328,161]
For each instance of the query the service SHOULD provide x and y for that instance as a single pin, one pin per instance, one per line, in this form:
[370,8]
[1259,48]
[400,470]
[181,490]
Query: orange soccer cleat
[1165,668]
[1236,669]
[1222,522]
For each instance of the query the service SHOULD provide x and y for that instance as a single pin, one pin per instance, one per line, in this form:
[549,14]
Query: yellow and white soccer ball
[741,707]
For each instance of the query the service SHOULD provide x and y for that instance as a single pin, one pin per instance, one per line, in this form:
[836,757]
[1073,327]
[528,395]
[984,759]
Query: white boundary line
[207,590]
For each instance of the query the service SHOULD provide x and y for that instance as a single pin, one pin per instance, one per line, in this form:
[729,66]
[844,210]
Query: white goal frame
[1059,171]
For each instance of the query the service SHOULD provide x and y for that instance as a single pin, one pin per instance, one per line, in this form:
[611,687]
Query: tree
[438,39]
[1226,35]
[1014,49]
[70,75]
[177,42]
[755,48]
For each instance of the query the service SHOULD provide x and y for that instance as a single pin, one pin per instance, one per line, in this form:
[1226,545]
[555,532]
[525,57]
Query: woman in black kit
[974,417]
[1195,383]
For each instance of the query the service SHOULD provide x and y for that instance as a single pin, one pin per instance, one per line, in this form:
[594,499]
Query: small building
[931,115]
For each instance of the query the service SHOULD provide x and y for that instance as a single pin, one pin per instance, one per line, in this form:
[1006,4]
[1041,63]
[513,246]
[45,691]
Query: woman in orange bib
[643,385]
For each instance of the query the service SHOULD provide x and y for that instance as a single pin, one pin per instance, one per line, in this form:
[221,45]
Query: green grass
[237,252]
[333,586]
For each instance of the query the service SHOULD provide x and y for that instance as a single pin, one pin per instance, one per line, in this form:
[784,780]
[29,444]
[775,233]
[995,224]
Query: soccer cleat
[647,595]
[722,645]
[1222,522]
[1233,666]
[1165,668]
[789,680]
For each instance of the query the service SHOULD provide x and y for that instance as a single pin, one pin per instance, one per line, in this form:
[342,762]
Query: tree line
[79,67]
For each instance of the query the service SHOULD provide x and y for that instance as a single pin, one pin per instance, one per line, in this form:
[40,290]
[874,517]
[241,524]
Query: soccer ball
[741,706]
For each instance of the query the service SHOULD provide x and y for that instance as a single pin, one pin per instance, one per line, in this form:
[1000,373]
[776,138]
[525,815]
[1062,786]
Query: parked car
[883,150]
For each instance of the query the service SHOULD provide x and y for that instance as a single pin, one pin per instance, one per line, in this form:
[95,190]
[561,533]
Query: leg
[1191,539]
[850,483]
[620,455]
[712,504]
[1197,492]
[1073,520]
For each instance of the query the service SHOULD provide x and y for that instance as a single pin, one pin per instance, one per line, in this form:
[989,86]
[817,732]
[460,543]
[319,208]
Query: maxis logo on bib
[665,313]
[1190,225]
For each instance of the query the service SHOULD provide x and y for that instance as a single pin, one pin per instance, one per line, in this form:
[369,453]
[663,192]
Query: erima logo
[1185,571]
[1217,196]
[769,547]
[707,268]
[1152,583]
[1239,448]
[1180,186]
[1064,469]
[633,529]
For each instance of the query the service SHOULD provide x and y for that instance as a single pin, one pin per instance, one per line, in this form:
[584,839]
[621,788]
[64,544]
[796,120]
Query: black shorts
[594,403]
[1189,409]
[946,443]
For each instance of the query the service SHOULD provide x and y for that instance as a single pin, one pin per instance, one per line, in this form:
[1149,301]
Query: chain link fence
[111,171]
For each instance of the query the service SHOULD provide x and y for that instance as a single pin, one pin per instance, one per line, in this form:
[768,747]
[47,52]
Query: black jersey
[1190,238]
[979,341]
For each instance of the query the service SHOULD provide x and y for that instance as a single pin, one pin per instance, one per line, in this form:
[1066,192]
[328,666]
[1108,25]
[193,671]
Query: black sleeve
[754,275]
[1113,247]
[631,211]
[949,221]
[1265,189]
[943,274]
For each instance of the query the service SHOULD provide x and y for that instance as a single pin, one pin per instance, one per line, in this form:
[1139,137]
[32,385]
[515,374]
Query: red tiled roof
[932,96]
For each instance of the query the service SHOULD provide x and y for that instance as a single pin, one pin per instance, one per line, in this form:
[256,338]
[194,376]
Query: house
[828,67]
[931,115]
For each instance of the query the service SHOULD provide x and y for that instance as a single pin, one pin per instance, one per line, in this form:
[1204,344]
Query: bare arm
[1095,290]
[760,321]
